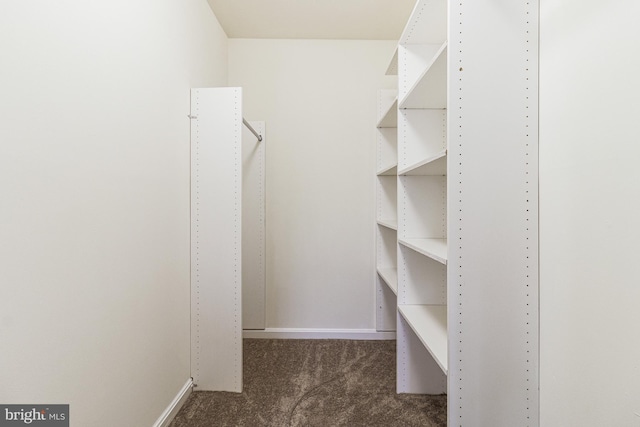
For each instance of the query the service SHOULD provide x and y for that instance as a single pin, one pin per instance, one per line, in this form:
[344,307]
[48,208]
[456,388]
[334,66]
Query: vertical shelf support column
[493,201]
[216,239]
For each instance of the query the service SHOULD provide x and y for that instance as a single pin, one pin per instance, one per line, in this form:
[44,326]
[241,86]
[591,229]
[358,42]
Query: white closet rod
[253,131]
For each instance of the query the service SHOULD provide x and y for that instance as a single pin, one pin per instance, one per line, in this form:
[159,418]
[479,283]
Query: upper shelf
[429,322]
[435,249]
[427,23]
[389,117]
[435,165]
[430,89]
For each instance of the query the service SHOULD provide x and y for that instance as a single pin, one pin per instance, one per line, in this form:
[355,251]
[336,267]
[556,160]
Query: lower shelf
[429,322]
[390,277]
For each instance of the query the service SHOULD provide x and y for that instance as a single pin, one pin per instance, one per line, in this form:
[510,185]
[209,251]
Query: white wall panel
[589,210]
[94,217]
[318,98]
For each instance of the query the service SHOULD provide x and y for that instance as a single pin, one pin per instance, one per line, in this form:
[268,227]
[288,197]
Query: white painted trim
[172,410]
[315,333]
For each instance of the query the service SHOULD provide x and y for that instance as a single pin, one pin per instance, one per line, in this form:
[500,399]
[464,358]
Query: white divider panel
[493,202]
[216,239]
[253,227]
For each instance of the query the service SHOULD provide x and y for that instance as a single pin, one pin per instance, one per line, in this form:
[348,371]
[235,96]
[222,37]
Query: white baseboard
[172,410]
[319,334]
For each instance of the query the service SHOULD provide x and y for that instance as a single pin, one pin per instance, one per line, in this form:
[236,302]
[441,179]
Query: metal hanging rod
[244,121]
[253,131]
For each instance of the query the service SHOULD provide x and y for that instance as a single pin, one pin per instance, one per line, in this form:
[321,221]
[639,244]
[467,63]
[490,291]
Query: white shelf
[389,118]
[389,223]
[434,165]
[392,69]
[388,171]
[429,322]
[430,89]
[435,249]
[390,277]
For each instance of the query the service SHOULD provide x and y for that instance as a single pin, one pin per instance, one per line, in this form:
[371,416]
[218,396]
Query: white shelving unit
[386,211]
[466,187]
[422,201]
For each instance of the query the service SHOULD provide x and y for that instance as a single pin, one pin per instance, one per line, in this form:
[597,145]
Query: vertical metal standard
[216,239]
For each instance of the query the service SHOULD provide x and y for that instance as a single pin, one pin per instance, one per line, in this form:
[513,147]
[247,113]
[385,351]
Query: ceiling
[313,19]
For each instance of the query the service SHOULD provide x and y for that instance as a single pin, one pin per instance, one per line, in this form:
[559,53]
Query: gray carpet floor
[315,383]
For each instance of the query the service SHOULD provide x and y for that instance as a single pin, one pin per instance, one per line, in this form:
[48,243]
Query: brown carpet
[315,383]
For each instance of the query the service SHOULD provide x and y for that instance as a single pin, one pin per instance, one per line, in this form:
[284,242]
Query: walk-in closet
[319,213]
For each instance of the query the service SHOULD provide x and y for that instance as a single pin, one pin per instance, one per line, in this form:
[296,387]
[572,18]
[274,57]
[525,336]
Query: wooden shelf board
[430,90]
[388,171]
[429,322]
[390,117]
[434,165]
[389,223]
[435,249]
[390,277]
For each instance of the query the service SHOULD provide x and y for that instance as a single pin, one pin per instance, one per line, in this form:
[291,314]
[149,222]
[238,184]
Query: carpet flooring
[320,383]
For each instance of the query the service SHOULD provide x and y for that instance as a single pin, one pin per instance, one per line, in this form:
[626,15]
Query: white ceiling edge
[313,19]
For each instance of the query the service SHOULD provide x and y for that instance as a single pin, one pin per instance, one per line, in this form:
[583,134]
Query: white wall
[94,210]
[589,211]
[318,99]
